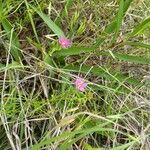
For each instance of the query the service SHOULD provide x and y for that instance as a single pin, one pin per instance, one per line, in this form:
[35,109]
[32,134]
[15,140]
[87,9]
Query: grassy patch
[94,93]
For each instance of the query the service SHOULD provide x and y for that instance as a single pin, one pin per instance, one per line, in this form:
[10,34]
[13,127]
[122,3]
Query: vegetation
[90,93]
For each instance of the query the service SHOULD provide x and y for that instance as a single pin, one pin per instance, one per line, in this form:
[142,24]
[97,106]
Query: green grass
[40,106]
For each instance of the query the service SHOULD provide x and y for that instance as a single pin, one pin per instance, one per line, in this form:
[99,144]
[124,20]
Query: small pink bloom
[64,42]
[80,84]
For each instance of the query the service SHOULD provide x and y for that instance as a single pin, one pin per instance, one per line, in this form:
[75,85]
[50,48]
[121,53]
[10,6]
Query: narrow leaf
[139,27]
[100,72]
[31,20]
[15,44]
[110,28]
[132,59]
[74,51]
[119,20]
[65,11]
[69,135]
[13,65]
[139,44]
[49,23]
[124,146]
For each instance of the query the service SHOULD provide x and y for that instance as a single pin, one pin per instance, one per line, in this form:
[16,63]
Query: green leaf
[48,60]
[124,146]
[100,72]
[13,65]
[1,66]
[138,44]
[1,10]
[88,147]
[132,59]
[73,51]
[140,27]
[31,20]
[15,44]
[119,20]
[69,135]
[49,22]
[65,11]
[85,132]
[110,28]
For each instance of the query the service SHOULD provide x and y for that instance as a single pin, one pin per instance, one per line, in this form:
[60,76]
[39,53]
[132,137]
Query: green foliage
[14,41]
[132,59]
[40,106]
[104,73]
[73,51]
[111,27]
[139,44]
[32,22]
[140,27]
[49,22]
[119,19]
[68,135]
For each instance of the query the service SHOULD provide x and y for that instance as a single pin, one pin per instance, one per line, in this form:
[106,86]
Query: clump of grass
[41,105]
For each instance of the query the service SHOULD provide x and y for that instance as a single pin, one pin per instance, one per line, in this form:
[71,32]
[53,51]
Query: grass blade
[124,146]
[49,22]
[65,11]
[139,44]
[68,135]
[100,72]
[31,20]
[85,132]
[110,28]
[132,59]
[15,44]
[13,65]
[139,28]
[74,51]
[119,20]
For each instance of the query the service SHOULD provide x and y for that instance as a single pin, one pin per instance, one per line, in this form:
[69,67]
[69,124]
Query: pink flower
[64,42]
[80,84]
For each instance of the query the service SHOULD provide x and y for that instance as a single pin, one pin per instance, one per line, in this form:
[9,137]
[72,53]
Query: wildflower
[64,42]
[80,84]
